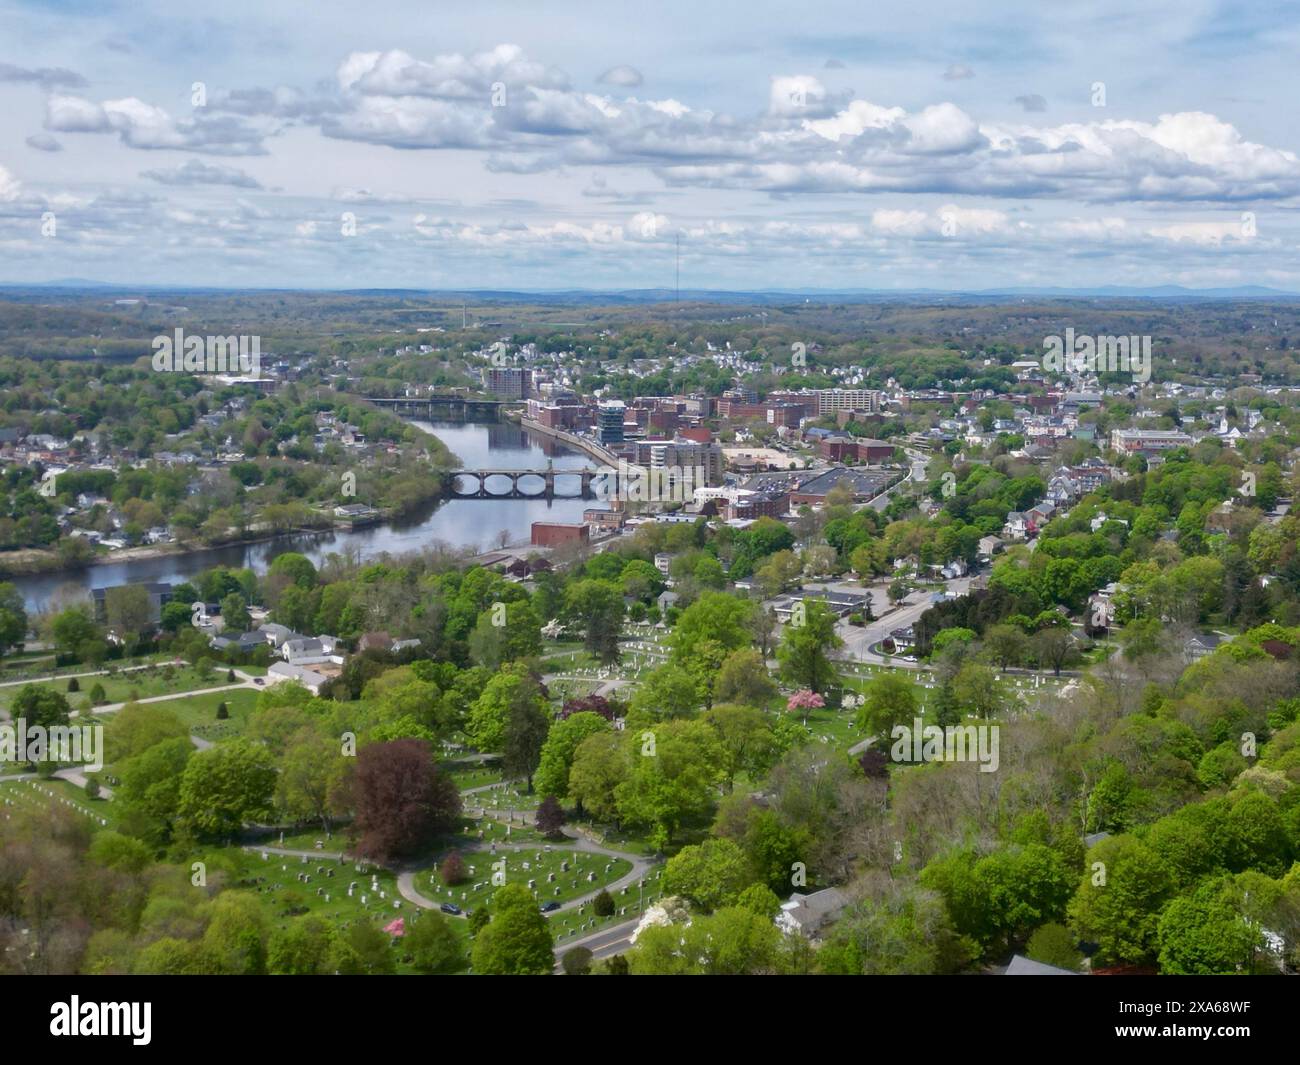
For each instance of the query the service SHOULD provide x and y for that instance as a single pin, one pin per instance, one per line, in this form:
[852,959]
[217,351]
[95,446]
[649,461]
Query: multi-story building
[508,382]
[830,400]
[1131,441]
[609,422]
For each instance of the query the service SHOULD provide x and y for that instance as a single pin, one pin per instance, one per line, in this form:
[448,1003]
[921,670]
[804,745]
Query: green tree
[889,699]
[743,678]
[1118,903]
[517,941]
[803,649]
[562,743]
[434,947]
[710,875]
[224,786]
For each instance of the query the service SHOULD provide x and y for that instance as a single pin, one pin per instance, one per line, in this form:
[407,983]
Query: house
[276,635]
[1017,526]
[1022,966]
[308,651]
[244,641]
[665,600]
[308,678]
[989,546]
[806,915]
[1201,644]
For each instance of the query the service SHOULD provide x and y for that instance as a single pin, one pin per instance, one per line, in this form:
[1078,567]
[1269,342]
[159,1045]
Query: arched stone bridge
[533,484]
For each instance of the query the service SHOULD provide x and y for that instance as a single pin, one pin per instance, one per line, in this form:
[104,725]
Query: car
[448,907]
[550,907]
[258,681]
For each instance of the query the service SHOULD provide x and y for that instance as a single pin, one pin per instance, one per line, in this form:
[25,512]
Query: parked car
[448,907]
[258,680]
[550,907]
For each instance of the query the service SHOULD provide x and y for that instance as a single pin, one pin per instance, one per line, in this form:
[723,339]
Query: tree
[234,613]
[224,786]
[1053,647]
[137,727]
[747,741]
[402,802]
[509,691]
[561,744]
[452,870]
[313,772]
[236,936]
[1118,904]
[672,780]
[13,617]
[603,904]
[517,940]
[309,946]
[889,699]
[1052,944]
[715,616]
[40,706]
[710,875]
[128,609]
[434,947]
[1204,934]
[148,792]
[72,629]
[978,690]
[550,817]
[1007,644]
[526,726]
[506,632]
[576,961]
[803,648]
[743,679]
[668,691]
[601,763]
[597,606]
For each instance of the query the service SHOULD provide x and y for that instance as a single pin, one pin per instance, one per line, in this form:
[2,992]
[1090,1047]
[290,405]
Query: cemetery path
[111,707]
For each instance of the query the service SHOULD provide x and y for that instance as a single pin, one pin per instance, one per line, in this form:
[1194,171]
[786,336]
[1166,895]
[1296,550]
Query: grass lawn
[520,866]
[199,712]
[121,687]
[473,774]
[38,794]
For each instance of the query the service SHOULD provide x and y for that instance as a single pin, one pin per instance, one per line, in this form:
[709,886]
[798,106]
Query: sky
[605,145]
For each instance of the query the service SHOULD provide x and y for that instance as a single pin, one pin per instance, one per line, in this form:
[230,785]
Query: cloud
[10,186]
[43,142]
[142,125]
[1031,102]
[46,77]
[194,172]
[833,64]
[623,76]
[958,72]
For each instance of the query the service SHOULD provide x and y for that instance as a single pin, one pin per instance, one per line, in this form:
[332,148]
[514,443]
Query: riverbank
[581,443]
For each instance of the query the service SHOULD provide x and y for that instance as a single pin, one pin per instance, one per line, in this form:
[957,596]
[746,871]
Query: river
[472,523]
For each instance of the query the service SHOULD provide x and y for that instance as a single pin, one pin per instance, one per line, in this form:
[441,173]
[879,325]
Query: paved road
[603,944]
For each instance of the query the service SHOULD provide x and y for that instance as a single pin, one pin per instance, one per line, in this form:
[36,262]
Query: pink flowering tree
[804,700]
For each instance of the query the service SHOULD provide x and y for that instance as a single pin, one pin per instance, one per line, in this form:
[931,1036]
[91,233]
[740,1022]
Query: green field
[36,794]
[122,687]
[519,867]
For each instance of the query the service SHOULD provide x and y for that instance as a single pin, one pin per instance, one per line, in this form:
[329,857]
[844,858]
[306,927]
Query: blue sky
[522,145]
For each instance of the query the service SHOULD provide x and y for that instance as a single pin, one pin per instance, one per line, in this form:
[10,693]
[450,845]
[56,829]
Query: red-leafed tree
[402,802]
[452,869]
[550,816]
[596,704]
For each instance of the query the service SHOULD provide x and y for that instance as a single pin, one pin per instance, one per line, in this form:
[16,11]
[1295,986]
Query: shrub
[97,695]
[222,712]
[603,904]
[92,788]
[73,686]
[576,962]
